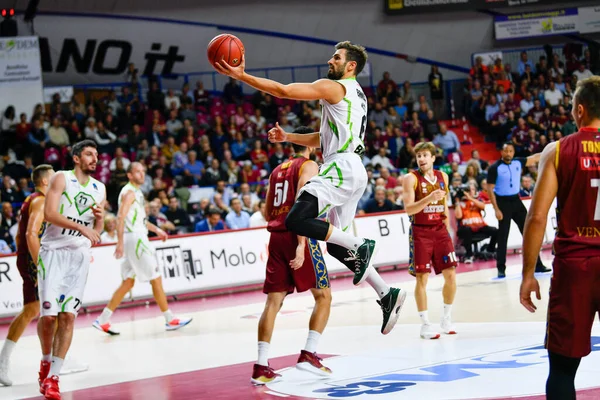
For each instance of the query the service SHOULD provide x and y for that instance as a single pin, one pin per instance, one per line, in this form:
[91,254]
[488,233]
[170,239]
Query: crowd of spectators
[193,138]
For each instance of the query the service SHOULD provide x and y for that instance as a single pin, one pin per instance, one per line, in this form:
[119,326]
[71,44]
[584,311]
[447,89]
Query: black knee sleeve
[561,380]
[302,218]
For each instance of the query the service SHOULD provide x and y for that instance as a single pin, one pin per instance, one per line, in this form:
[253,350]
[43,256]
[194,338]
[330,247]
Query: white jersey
[343,124]
[135,220]
[75,204]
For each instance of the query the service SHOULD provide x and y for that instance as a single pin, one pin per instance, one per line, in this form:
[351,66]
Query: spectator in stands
[213,174]
[38,139]
[9,192]
[379,202]
[201,96]
[169,149]
[381,160]
[7,221]
[526,186]
[382,86]
[447,140]
[482,163]
[178,216]
[248,174]
[156,98]
[159,219]
[105,139]
[436,90]
[467,209]
[173,125]
[232,92]
[479,69]
[57,134]
[408,96]
[237,218]
[521,67]
[119,156]
[379,115]
[553,96]
[172,101]
[110,229]
[211,223]
[193,170]
[582,72]
[259,218]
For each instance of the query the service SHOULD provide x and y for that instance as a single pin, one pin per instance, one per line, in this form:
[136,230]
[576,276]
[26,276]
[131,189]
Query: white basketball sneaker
[427,332]
[177,323]
[73,366]
[447,326]
[4,379]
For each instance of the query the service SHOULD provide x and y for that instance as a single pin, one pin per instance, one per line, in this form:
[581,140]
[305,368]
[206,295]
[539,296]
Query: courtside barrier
[197,263]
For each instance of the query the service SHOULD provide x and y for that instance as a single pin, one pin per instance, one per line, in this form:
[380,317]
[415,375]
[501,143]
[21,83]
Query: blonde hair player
[140,262]
[342,178]
[425,193]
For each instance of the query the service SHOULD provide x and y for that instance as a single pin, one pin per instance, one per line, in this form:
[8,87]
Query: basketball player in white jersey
[342,179]
[74,211]
[140,261]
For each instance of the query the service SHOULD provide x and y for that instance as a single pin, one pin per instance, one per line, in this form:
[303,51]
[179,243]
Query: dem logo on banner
[175,262]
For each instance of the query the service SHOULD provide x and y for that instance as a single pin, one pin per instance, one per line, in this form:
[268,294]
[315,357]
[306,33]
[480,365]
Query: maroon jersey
[284,184]
[577,164]
[433,213]
[22,247]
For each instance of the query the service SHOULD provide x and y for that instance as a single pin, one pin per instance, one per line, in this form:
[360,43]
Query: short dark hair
[587,93]
[78,147]
[39,173]
[354,52]
[509,143]
[302,130]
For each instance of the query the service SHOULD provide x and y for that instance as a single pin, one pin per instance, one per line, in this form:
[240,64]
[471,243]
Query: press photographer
[470,221]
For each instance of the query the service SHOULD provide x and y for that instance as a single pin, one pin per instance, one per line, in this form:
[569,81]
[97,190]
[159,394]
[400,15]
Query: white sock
[7,350]
[447,310]
[312,341]
[47,357]
[377,283]
[168,316]
[105,316]
[345,239]
[56,366]
[424,317]
[263,353]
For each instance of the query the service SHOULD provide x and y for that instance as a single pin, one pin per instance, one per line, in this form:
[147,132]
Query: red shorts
[430,246]
[282,278]
[574,302]
[28,270]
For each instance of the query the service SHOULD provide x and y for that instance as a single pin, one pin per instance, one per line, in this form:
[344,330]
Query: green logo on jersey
[83,202]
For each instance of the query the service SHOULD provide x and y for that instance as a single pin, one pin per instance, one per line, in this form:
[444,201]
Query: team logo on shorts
[60,299]
[46,305]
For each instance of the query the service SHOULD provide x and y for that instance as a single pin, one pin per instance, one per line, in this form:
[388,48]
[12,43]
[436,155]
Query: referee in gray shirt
[504,184]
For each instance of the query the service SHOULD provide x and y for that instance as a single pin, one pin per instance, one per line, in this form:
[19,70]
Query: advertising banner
[398,7]
[21,83]
[230,259]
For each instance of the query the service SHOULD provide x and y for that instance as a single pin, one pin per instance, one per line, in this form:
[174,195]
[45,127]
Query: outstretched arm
[326,89]
[277,134]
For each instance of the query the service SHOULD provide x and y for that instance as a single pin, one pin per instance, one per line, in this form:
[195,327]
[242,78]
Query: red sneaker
[310,362]
[51,390]
[262,375]
[43,374]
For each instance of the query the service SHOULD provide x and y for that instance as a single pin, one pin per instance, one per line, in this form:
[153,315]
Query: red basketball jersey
[433,213]
[22,247]
[577,164]
[284,185]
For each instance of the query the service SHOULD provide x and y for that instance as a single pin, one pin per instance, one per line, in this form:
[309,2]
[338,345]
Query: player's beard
[334,74]
[88,169]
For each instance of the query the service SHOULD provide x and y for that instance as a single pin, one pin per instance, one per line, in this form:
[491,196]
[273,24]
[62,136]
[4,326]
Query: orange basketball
[225,47]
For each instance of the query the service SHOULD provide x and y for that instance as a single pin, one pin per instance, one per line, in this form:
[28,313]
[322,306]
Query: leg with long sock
[15,330]
[448,294]
[266,324]
[427,331]
[262,373]
[46,328]
[561,379]
[114,302]
[318,318]
[308,360]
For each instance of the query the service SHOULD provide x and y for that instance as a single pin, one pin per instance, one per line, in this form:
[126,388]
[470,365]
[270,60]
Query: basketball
[225,47]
